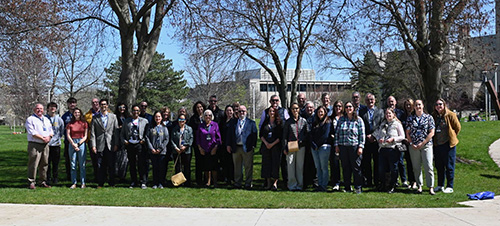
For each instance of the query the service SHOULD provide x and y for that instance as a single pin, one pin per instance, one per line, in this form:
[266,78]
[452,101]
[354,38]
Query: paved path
[486,212]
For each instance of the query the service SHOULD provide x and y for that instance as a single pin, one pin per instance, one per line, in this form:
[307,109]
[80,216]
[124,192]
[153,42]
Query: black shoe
[358,191]
[132,185]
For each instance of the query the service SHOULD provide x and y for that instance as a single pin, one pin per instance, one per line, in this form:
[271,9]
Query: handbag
[293,146]
[178,178]
[401,147]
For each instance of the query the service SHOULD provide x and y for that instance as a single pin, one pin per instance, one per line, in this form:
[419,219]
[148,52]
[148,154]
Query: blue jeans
[444,158]
[79,156]
[321,156]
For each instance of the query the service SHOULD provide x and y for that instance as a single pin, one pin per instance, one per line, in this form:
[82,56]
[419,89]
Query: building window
[263,87]
[272,88]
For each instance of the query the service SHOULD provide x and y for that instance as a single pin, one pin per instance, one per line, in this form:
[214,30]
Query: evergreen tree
[162,85]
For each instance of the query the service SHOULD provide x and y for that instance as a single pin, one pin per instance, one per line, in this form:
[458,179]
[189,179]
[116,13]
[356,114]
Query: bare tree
[425,27]
[273,34]
[79,63]
[211,74]
[26,73]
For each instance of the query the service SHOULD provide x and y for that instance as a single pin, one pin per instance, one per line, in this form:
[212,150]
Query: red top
[77,129]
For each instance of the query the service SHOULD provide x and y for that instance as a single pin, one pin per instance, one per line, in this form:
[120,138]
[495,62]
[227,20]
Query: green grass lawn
[477,172]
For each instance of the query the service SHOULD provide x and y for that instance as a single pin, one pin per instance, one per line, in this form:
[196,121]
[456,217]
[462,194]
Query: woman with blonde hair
[389,134]
[419,132]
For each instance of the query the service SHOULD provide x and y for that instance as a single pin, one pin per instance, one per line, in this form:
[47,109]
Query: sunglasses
[275,100]
[181,120]
[349,106]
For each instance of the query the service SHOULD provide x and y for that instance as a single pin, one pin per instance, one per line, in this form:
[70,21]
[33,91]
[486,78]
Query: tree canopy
[161,86]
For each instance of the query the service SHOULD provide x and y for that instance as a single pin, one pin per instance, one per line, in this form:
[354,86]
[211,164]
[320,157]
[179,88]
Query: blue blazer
[248,135]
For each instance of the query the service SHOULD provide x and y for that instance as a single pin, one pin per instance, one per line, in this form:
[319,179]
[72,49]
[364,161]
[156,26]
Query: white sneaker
[438,188]
[143,186]
[336,188]
[448,190]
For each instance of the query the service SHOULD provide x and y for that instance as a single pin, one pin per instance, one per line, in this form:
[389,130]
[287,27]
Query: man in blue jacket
[241,141]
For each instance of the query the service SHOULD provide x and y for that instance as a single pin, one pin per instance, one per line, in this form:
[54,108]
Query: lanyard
[41,119]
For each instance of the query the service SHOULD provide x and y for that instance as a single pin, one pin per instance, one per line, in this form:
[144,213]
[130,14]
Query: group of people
[310,145]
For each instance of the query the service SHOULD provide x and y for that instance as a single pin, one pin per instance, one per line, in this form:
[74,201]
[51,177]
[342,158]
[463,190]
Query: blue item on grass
[482,195]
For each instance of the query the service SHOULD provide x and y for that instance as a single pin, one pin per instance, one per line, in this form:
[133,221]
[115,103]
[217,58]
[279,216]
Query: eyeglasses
[208,115]
[121,107]
[212,101]
[181,120]
[439,104]
[355,97]
[275,100]
[135,110]
[144,106]
[348,106]
[103,104]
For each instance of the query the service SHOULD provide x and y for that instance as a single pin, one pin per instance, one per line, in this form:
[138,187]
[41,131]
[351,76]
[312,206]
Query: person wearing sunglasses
[349,143]
[212,105]
[181,140]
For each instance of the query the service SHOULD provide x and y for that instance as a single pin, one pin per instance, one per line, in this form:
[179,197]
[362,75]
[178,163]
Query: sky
[172,50]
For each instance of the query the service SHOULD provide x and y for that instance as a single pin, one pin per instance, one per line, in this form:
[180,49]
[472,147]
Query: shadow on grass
[489,176]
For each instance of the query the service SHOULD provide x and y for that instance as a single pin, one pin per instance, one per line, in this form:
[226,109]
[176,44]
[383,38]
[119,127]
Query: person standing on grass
[77,131]
[103,143]
[194,122]
[283,113]
[181,140]
[208,140]
[408,111]
[271,133]
[349,143]
[121,162]
[39,132]
[133,137]
[392,104]
[445,144]
[419,133]
[389,134]
[321,144]
[158,138]
[225,158]
[241,141]
[66,117]
[295,129]
[93,111]
[372,118]
[338,111]
[55,143]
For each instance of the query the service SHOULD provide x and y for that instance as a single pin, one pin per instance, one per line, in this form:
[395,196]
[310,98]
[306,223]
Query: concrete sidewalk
[486,212]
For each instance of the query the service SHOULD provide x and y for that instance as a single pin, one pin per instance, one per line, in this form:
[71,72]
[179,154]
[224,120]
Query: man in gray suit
[103,143]
[372,117]
[133,136]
